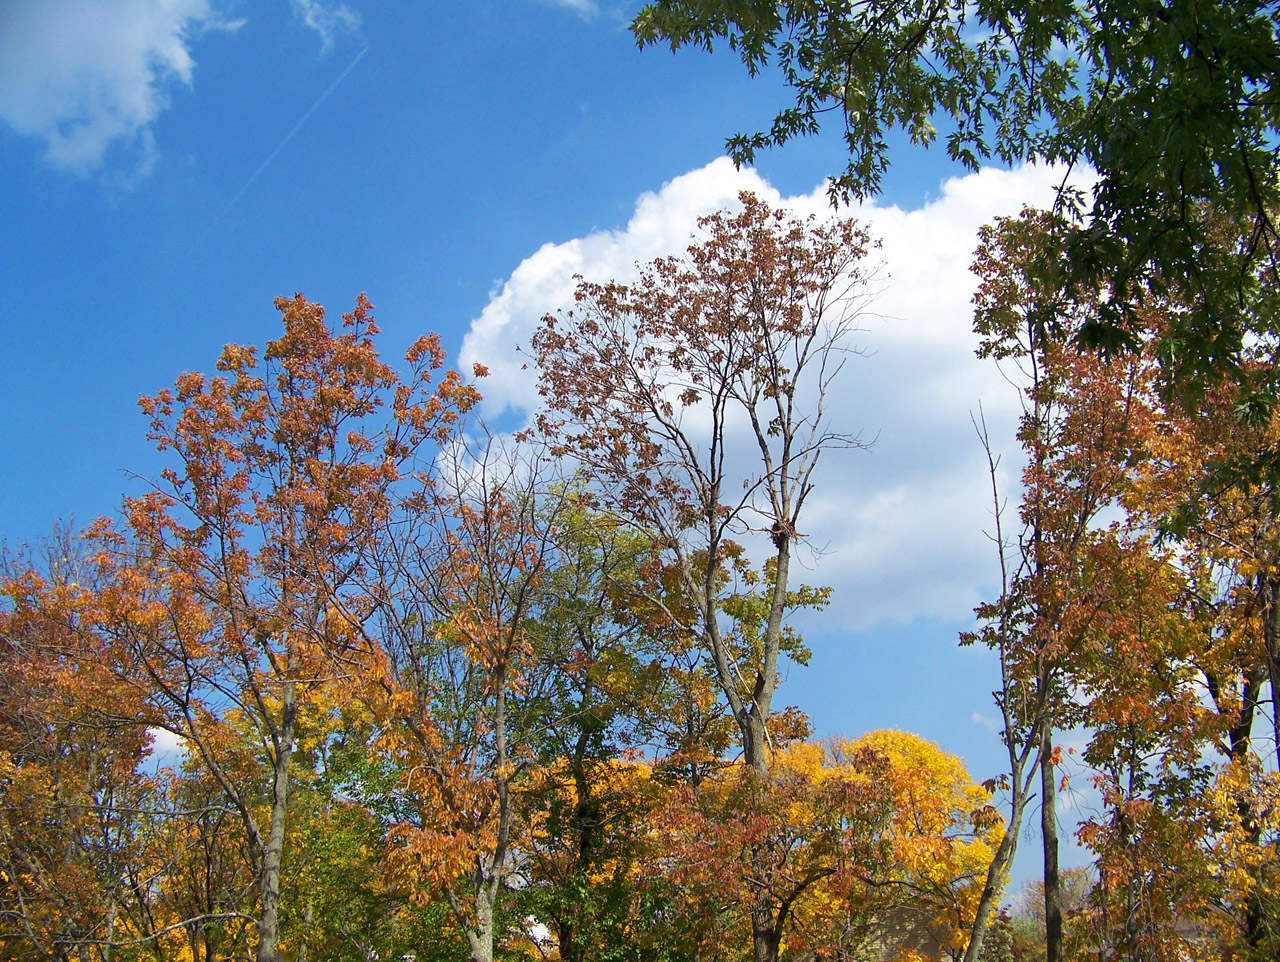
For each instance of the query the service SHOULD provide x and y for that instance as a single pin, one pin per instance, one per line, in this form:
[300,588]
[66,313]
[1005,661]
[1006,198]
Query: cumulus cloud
[899,530]
[167,749]
[328,20]
[84,75]
[544,281]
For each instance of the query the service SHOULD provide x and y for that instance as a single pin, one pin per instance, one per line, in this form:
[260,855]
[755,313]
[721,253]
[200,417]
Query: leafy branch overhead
[1174,105]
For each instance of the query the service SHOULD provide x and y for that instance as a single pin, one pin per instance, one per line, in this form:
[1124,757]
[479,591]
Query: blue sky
[170,166]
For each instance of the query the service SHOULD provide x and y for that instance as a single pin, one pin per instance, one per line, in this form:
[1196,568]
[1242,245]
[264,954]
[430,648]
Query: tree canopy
[1174,105]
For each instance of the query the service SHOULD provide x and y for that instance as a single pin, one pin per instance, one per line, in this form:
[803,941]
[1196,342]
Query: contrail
[279,147]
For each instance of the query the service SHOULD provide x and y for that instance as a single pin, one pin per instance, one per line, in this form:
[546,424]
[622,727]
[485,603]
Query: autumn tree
[943,834]
[875,844]
[1081,429]
[1150,633]
[204,884]
[234,592]
[460,682]
[744,855]
[1186,832]
[80,857]
[696,400]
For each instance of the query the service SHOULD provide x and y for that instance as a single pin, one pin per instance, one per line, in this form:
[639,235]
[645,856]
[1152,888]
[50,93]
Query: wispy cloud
[280,146]
[328,20]
[984,721]
[84,76]
[586,9]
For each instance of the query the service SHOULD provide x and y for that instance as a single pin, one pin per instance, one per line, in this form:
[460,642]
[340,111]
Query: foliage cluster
[1173,105]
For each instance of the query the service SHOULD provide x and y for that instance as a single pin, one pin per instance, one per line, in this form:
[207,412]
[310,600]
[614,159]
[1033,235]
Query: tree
[236,592]
[1173,104]
[460,681]
[78,854]
[345,907]
[1082,429]
[1151,633]
[646,384]
[1175,748]
[944,834]
[871,844]
[590,839]
[86,823]
[612,682]
[1024,921]
[204,882]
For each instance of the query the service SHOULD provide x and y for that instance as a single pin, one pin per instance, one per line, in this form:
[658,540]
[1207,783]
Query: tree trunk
[755,744]
[1241,742]
[307,918]
[480,935]
[1271,634]
[1049,829]
[764,934]
[269,920]
[998,870]
[756,737]
[488,878]
[586,817]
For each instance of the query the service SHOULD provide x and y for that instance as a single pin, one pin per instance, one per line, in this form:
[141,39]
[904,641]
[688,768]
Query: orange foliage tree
[236,591]
[1081,430]
[644,385]
[1155,632]
[461,675]
[80,856]
[647,386]
[1190,830]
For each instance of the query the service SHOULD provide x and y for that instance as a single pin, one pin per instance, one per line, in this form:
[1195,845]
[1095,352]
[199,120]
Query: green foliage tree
[609,687]
[1176,106]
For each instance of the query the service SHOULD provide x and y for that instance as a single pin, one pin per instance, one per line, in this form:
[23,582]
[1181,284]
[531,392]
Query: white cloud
[543,282]
[984,721]
[84,75]
[899,531]
[167,749]
[586,9]
[328,20]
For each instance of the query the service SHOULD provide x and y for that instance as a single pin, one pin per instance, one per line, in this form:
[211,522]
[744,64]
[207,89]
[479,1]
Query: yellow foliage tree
[877,844]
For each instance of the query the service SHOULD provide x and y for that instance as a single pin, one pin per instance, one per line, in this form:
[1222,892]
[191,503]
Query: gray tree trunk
[269,881]
[1049,828]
